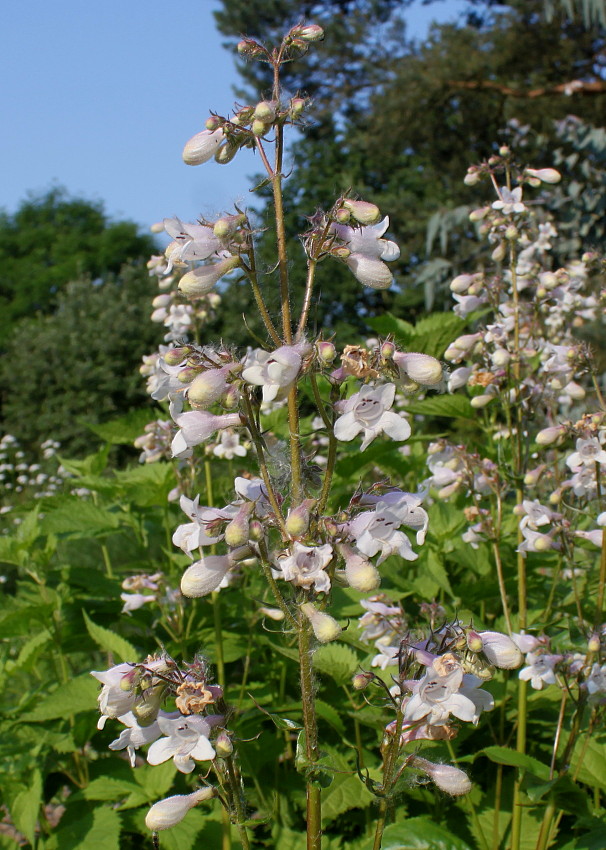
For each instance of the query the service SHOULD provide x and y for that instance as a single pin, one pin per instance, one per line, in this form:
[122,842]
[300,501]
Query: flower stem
[314,801]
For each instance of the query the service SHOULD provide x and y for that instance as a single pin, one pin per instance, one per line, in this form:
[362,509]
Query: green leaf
[435,567]
[330,715]
[110,641]
[337,661]
[388,324]
[99,828]
[419,834]
[125,430]
[79,694]
[26,805]
[79,518]
[503,755]
[449,406]
[110,789]
[587,761]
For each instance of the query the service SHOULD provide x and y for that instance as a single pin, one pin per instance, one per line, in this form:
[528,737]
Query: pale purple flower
[186,742]
[510,201]
[229,446]
[275,371]
[368,252]
[369,411]
[588,453]
[305,566]
[435,697]
[134,601]
[539,669]
[378,532]
[135,736]
[203,146]
[196,426]
[190,242]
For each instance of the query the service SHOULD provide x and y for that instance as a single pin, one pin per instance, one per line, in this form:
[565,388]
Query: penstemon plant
[534,511]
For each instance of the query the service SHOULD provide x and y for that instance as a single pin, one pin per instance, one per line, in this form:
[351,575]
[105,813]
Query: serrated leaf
[110,641]
[125,430]
[387,324]
[110,789]
[29,650]
[337,661]
[449,406]
[79,694]
[26,805]
[503,755]
[155,780]
[79,518]
[330,715]
[99,828]
[587,762]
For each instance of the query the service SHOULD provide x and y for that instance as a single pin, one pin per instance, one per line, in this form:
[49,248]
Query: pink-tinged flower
[190,242]
[169,812]
[510,201]
[134,601]
[202,147]
[369,411]
[193,535]
[114,700]
[201,280]
[439,694]
[525,643]
[378,531]
[539,670]
[186,742]
[275,371]
[135,736]
[305,566]
[448,778]
[196,426]
[368,252]
[594,536]
[534,541]
[588,453]
[500,650]
[205,575]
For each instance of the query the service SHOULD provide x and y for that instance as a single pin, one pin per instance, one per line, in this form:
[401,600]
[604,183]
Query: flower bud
[363,211]
[420,368]
[593,644]
[448,778]
[500,650]
[361,574]
[207,388]
[474,642]
[256,530]
[388,349]
[188,373]
[472,177]
[259,127]
[532,476]
[324,626]
[213,123]
[501,357]
[177,355]
[479,214]
[461,283]
[308,32]
[226,152]
[273,613]
[297,521]
[146,711]
[172,810]
[297,105]
[223,745]
[575,391]
[512,232]
[480,401]
[265,111]
[201,280]
[249,47]
[551,435]
[237,532]
[545,175]
[362,680]
[202,147]
[326,351]
[499,252]
[342,216]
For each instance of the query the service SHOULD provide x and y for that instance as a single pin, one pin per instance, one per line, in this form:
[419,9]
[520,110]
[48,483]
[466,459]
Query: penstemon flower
[369,411]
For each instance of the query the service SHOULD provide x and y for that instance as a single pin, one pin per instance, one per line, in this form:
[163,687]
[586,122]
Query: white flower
[377,531]
[202,147]
[205,575]
[134,601]
[229,446]
[171,811]
[114,700]
[368,251]
[186,742]
[201,280]
[369,411]
[539,670]
[190,242]
[193,535]
[135,736]
[510,201]
[196,426]
[588,453]
[448,778]
[596,683]
[500,650]
[305,566]
[436,696]
[420,368]
[275,371]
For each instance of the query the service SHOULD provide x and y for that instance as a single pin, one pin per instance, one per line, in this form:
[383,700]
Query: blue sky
[100,98]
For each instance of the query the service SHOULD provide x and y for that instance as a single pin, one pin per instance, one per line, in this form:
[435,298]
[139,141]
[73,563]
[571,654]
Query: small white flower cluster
[21,479]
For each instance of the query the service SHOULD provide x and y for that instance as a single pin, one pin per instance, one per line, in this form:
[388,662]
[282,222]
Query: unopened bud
[361,574]
[532,476]
[207,388]
[213,123]
[479,214]
[249,47]
[472,177]
[273,613]
[480,401]
[500,357]
[202,147]
[326,351]
[512,232]
[171,811]
[259,128]
[593,644]
[223,745]
[551,435]
[342,216]
[363,211]
[256,530]
[500,650]
[324,626]
[226,152]
[188,374]
[504,150]
[265,111]
[388,349]
[499,252]
[177,355]
[362,680]
[545,175]
[146,711]
[308,32]
[297,105]
[474,642]
[448,778]
[297,521]
[461,283]
[421,368]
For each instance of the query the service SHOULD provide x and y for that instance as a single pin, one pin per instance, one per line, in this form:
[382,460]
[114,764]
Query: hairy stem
[314,801]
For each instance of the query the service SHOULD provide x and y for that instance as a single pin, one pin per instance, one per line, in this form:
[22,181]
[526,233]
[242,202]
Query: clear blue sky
[100,97]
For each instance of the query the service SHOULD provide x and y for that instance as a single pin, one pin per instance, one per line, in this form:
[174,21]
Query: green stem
[238,802]
[309,285]
[389,762]
[280,601]
[295,447]
[332,445]
[314,801]
[216,603]
[253,280]
[281,238]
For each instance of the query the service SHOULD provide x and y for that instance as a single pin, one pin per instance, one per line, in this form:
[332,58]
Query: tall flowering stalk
[283,522]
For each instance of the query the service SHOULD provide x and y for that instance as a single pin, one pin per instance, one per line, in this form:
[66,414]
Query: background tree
[52,239]
[79,364]
[398,121]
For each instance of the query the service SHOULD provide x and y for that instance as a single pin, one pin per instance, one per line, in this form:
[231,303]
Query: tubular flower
[368,252]
[172,810]
[369,411]
[275,371]
[202,147]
